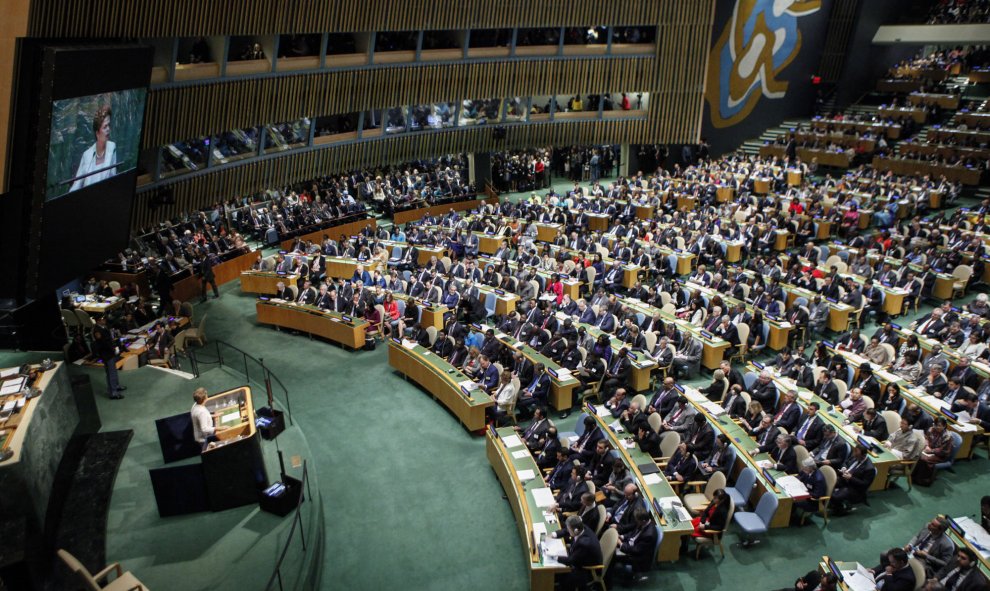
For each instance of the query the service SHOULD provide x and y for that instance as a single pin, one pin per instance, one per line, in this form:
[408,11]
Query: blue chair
[578,428]
[396,256]
[739,493]
[640,317]
[956,444]
[801,301]
[749,379]
[824,252]
[753,351]
[490,304]
[407,275]
[756,522]
[844,255]
[400,305]
[672,262]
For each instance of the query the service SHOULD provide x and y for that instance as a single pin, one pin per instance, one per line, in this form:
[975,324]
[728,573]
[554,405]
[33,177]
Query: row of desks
[931,405]
[882,460]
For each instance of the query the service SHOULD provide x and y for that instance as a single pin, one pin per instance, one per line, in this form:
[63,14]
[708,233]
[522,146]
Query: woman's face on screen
[104,132]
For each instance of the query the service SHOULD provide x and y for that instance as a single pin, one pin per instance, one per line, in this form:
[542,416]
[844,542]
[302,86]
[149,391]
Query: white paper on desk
[6,373]
[694,396]
[793,487]
[409,344]
[468,385]
[543,497]
[765,464]
[525,475]
[627,444]
[277,301]
[964,427]
[12,387]
[522,453]
[785,325]
[975,533]
[553,548]
[654,478]
[885,375]
[500,335]
[564,374]
[934,402]
[9,406]
[572,438]
[561,316]
[616,426]
[805,395]
[713,409]
[512,441]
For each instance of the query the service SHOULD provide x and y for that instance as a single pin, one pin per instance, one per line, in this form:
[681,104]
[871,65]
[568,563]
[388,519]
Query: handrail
[296,520]
[267,379]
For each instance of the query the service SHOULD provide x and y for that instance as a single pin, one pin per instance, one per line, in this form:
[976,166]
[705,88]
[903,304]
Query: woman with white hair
[979,306]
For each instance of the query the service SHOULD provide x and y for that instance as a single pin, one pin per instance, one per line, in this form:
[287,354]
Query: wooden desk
[561,391]
[761,186]
[524,507]
[713,350]
[686,203]
[334,232]
[780,241]
[265,282]
[630,275]
[441,380]
[670,546]
[725,194]
[794,178]
[912,395]
[598,222]
[733,252]
[644,212]
[313,321]
[824,229]
[94,306]
[882,460]
[547,232]
[411,215]
[489,243]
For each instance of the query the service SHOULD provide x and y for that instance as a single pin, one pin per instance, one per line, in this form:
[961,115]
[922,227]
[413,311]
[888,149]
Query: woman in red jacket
[713,517]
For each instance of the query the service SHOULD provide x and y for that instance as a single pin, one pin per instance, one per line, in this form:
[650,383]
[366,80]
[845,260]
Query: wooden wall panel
[181,113]
[187,18]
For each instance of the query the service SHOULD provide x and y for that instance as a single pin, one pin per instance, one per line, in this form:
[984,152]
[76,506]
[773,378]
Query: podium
[229,473]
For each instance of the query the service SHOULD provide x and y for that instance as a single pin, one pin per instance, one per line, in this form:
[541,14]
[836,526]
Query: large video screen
[93,138]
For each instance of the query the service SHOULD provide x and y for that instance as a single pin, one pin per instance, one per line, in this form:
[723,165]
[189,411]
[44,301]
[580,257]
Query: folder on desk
[543,497]
[648,468]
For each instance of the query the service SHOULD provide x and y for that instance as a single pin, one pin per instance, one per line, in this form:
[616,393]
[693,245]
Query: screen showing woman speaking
[93,139]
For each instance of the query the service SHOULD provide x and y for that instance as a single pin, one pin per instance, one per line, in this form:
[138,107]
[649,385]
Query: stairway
[753,146]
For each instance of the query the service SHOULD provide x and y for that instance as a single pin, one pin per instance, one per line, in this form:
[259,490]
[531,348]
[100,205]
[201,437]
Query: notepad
[793,487]
[525,475]
[6,373]
[409,344]
[652,479]
[12,386]
[522,453]
[543,497]
[512,441]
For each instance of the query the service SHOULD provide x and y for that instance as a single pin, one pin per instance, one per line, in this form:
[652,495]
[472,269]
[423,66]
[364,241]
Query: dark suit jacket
[814,434]
[786,459]
[972,581]
[789,418]
[585,551]
[640,546]
[899,580]
[876,429]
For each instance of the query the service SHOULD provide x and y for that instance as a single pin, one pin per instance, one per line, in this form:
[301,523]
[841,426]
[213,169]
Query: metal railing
[276,576]
[227,355]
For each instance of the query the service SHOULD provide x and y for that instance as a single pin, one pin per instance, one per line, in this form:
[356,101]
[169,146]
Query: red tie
[780,412]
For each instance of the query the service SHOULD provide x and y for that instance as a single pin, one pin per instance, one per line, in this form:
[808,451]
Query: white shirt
[87,164]
[202,422]
[505,396]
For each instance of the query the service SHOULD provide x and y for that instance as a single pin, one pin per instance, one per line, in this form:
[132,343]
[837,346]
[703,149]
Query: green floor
[409,498]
